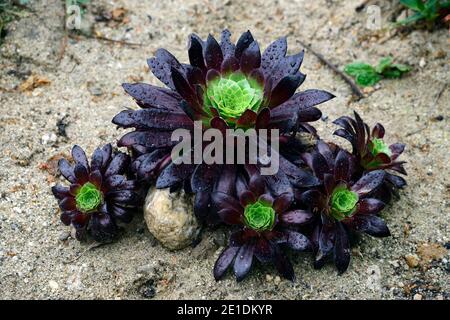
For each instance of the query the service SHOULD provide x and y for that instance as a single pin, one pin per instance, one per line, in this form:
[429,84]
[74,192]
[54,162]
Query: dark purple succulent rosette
[226,85]
[266,225]
[371,152]
[341,205]
[99,196]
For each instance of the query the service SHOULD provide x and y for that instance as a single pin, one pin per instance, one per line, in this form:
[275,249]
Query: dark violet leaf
[285,89]
[243,261]
[95,177]
[103,228]
[174,174]
[148,96]
[97,160]
[68,204]
[224,261]
[273,54]
[121,213]
[213,53]
[118,165]
[370,206]
[81,173]
[397,148]
[202,204]
[297,241]
[222,201]
[342,166]
[225,44]
[60,192]
[369,182]
[66,170]
[298,217]
[230,64]
[247,119]
[243,43]
[230,216]
[397,181]
[283,264]
[282,203]
[151,139]
[341,248]
[378,131]
[251,58]
[372,225]
[79,156]
[204,177]
[263,250]
[288,66]
[195,52]
[227,180]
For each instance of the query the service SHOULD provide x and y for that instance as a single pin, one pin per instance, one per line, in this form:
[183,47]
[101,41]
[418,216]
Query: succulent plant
[266,225]
[320,197]
[224,86]
[371,151]
[341,205]
[99,196]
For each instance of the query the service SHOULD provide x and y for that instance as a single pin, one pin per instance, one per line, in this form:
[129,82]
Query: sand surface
[39,259]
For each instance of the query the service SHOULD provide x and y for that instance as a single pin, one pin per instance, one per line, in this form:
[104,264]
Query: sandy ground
[39,259]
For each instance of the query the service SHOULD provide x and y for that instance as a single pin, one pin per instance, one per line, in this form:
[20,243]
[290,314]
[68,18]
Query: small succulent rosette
[372,153]
[265,226]
[99,196]
[340,205]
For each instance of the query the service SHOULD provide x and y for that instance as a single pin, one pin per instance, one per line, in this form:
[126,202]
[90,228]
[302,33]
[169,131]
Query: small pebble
[417,296]
[53,285]
[49,139]
[64,236]
[422,63]
[269,278]
[277,280]
[412,260]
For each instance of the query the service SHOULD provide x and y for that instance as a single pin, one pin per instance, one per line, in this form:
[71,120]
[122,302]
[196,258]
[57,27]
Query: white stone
[170,218]
[422,63]
[53,285]
[49,138]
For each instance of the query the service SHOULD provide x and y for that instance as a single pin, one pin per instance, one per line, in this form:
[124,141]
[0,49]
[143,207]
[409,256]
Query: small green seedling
[366,75]
[428,11]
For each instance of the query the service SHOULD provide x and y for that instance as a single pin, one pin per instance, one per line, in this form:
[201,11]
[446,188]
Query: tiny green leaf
[383,64]
[416,5]
[392,74]
[355,68]
[364,74]
[402,67]
[415,17]
[367,79]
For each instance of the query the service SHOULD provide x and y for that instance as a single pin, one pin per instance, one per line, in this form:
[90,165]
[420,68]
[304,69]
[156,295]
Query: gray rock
[170,218]
[64,236]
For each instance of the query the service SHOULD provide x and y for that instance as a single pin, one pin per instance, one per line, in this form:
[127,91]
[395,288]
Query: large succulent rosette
[226,85]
